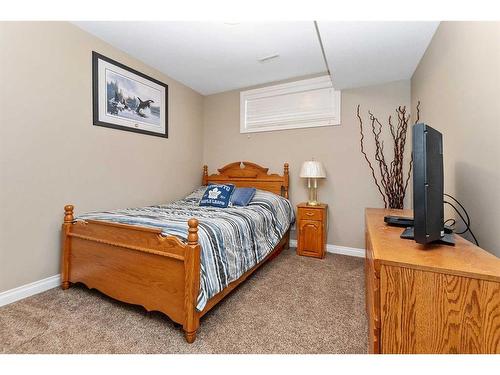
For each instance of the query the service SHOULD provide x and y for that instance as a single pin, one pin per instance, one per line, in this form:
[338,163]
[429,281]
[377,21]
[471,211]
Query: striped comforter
[232,239]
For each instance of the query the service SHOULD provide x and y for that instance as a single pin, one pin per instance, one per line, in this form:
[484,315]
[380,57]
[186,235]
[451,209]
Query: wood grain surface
[429,299]
[428,312]
[463,259]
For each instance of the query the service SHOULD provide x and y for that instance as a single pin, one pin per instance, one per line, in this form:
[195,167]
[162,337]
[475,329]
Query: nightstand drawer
[311,214]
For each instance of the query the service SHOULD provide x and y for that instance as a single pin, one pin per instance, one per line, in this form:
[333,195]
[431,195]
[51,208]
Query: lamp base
[313,194]
[313,203]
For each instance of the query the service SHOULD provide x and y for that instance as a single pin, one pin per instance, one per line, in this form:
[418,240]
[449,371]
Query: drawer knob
[309,213]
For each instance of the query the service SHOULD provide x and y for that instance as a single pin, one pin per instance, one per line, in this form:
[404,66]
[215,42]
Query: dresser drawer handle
[309,213]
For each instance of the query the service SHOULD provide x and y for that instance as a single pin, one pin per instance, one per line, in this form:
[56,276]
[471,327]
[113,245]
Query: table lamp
[312,170]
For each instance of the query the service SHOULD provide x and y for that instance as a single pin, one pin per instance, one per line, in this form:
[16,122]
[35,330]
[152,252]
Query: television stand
[441,300]
[447,239]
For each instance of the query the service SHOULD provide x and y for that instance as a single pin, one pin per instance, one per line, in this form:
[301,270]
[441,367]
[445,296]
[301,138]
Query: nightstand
[312,228]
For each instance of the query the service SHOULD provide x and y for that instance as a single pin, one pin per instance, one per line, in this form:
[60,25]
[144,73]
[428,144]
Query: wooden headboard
[247,174]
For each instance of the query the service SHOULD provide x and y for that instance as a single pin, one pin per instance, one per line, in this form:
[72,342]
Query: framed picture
[126,99]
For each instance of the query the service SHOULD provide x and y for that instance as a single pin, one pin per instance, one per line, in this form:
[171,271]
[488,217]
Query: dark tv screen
[428,183]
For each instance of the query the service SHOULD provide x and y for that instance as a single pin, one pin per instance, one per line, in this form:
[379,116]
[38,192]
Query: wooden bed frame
[140,266]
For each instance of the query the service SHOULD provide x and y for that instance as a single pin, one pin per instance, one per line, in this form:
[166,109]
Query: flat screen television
[428,185]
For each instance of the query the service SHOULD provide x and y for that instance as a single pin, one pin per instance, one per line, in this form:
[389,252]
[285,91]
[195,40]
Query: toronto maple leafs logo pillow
[217,195]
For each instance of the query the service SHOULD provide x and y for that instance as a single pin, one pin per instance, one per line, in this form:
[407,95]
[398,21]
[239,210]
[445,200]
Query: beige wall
[348,188]
[51,154]
[458,84]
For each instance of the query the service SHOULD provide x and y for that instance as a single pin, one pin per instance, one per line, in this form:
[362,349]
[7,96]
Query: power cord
[463,208]
[452,221]
[465,220]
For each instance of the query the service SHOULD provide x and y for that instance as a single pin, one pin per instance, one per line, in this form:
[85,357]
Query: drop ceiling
[213,57]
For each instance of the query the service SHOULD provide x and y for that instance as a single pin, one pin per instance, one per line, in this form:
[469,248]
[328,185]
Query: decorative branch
[417,119]
[368,160]
[389,180]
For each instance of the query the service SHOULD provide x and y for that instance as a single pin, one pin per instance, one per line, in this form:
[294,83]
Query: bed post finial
[68,213]
[193,232]
[205,175]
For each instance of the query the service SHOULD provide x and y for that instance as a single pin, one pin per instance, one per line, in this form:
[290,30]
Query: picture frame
[126,99]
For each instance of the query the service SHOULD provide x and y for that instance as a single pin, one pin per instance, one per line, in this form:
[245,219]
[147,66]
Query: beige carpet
[291,305]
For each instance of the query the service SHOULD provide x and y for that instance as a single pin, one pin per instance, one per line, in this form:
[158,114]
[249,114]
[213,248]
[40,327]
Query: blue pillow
[242,196]
[217,195]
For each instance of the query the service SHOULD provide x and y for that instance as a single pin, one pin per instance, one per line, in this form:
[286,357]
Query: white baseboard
[336,249]
[344,250]
[27,290]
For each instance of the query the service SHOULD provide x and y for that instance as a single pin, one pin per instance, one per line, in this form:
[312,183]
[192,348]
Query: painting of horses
[126,99]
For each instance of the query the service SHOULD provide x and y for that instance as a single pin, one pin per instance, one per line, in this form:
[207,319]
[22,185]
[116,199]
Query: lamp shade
[312,169]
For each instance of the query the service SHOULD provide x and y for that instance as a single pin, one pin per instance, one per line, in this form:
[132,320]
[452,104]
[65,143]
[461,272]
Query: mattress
[232,239]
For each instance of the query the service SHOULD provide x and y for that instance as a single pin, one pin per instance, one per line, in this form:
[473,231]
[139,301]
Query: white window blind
[300,104]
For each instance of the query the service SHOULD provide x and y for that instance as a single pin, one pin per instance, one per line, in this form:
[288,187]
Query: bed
[164,260]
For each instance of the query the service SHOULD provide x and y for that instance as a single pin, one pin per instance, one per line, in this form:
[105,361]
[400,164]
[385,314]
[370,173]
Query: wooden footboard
[135,265]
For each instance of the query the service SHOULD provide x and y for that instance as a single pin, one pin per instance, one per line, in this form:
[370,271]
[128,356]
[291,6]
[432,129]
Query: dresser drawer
[311,214]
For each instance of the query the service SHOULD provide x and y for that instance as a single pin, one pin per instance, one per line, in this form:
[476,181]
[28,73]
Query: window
[300,104]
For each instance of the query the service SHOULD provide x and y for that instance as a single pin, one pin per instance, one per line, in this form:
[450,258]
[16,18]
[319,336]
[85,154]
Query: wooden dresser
[429,299]
[311,230]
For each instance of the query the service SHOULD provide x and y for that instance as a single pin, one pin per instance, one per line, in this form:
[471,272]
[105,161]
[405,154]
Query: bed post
[192,282]
[286,184]
[205,175]
[286,175]
[66,246]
